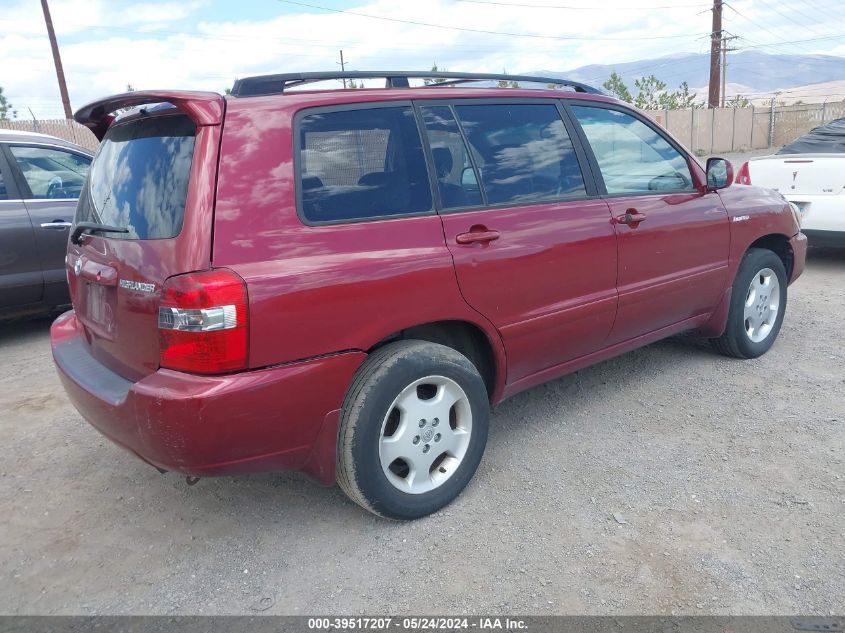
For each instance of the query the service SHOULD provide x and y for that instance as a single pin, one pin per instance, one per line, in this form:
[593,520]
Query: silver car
[41,178]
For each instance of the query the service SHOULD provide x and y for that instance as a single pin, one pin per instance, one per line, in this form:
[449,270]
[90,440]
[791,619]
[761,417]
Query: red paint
[553,287]
[673,264]
[244,422]
[547,307]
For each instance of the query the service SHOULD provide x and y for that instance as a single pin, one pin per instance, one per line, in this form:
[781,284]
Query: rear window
[361,164]
[139,178]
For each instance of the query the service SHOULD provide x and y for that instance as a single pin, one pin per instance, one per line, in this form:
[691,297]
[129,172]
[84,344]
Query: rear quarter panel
[316,290]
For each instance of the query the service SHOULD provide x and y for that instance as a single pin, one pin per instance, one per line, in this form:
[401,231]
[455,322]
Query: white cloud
[148,45]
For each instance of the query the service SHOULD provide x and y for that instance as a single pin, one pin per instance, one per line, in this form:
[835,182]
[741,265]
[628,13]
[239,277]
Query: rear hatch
[799,174]
[153,177]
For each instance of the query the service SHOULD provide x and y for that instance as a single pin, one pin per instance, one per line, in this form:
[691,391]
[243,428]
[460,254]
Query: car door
[533,247]
[673,234]
[50,179]
[21,282]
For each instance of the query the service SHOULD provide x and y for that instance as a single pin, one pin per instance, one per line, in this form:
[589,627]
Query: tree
[431,80]
[6,108]
[648,97]
[737,101]
[507,83]
[228,91]
[678,100]
[617,88]
[652,93]
[129,88]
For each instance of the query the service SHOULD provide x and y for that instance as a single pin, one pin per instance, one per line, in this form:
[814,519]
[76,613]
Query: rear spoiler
[204,108]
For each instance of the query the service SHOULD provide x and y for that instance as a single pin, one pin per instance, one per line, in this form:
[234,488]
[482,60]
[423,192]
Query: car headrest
[442,161]
[311,182]
[374,179]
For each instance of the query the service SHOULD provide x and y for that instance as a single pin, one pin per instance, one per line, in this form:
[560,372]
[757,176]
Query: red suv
[342,282]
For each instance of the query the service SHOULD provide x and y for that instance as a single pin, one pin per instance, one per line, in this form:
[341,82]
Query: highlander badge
[137,285]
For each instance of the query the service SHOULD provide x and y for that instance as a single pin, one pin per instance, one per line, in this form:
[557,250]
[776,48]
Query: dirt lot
[726,478]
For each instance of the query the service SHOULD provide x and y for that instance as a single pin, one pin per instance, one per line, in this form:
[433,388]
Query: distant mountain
[748,71]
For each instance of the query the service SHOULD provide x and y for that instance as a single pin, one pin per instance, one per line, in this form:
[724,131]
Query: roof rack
[276,84]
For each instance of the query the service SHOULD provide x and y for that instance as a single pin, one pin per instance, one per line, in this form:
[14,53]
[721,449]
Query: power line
[571,8]
[813,39]
[820,8]
[793,18]
[485,32]
[768,30]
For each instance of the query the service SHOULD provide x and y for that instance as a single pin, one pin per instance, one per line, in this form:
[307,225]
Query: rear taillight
[743,176]
[203,323]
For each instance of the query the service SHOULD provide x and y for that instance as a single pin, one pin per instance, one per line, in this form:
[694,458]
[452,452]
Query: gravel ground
[669,480]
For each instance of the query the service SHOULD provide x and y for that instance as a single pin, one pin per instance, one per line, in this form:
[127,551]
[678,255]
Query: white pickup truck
[810,173]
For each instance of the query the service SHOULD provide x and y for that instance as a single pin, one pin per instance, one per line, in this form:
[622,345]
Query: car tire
[758,304]
[412,429]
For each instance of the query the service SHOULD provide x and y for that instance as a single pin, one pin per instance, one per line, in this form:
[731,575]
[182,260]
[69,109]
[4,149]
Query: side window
[523,152]
[456,178]
[51,173]
[360,164]
[4,195]
[632,156]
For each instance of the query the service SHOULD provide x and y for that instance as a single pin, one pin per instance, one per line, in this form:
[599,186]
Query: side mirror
[720,173]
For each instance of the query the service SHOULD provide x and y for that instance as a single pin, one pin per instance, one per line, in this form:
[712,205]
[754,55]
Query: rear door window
[51,173]
[523,152]
[139,177]
[632,156]
[361,164]
[4,195]
[457,181]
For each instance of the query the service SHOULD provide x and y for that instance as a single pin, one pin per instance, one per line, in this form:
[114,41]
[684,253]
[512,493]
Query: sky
[206,44]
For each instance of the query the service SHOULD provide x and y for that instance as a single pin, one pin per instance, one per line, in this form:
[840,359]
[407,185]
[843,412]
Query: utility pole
[724,73]
[725,51]
[57,60]
[715,46]
[342,67]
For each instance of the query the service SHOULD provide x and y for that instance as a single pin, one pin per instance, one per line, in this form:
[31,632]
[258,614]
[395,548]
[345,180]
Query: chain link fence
[67,129]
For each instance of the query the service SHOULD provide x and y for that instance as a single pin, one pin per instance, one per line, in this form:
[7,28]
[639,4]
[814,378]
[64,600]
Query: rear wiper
[94,227]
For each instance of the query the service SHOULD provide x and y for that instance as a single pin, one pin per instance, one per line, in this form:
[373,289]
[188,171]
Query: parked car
[343,282]
[809,173]
[40,180]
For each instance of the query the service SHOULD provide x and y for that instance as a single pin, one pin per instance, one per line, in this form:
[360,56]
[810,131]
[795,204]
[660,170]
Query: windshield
[139,178]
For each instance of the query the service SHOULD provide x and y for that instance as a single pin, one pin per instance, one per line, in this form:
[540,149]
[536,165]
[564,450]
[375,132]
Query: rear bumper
[798,243]
[820,212]
[280,418]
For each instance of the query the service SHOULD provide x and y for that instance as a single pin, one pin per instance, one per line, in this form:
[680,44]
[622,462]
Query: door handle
[56,225]
[477,235]
[631,216]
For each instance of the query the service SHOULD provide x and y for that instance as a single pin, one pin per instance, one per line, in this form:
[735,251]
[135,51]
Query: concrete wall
[711,131]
